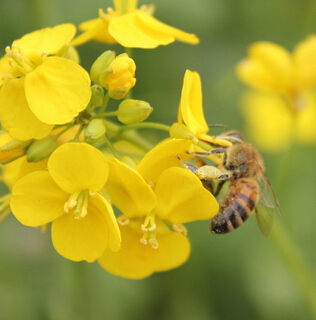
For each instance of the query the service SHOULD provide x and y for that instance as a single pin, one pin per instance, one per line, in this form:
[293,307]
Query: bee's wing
[264,217]
[267,196]
[266,206]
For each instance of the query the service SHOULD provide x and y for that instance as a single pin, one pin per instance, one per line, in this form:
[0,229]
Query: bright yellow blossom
[190,112]
[131,27]
[188,134]
[153,213]
[284,109]
[41,88]
[83,222]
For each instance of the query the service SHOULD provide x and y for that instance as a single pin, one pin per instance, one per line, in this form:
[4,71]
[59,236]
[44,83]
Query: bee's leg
[208,153]
[219,187]
[187,165]
[209,185]
[223,126]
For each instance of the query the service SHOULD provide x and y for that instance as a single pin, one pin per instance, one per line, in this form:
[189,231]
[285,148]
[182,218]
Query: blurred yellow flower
[284,109]
[131,27]
[152,212]
[270,124]
[83,222]
[40,88]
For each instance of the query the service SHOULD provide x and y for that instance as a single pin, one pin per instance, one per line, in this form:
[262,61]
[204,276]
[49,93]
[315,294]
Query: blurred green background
[241,275]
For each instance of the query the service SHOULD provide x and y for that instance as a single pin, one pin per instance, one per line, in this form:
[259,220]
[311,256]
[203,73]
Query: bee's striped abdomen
[236,206]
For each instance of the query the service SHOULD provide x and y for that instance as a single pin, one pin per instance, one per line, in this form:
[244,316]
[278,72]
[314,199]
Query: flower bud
[100,64]
[95,131]
[119,78]
[133,111]
[97,95]
[180,131]
[11,149]
[41,149]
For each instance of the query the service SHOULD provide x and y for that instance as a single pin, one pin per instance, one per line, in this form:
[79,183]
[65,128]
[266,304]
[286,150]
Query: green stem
[111,148]
[291,253]
[136,139]
[106,114]
[144,125]
[129,52]
[105,103]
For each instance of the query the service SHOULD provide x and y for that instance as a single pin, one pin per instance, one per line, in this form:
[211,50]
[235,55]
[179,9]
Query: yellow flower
[40,88]
[285,110]
[188,134]
[152,212]
[119,77]
[190,113]
[131,27]
[270,124]
[271,68]
[83,222]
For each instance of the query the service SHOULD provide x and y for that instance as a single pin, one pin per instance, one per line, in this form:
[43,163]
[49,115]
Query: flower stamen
[18,60]
[78,204]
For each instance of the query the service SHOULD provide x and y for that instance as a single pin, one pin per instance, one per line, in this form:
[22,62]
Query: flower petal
[191,108]
[182,198]
[304,64]
[95,29]
[78,166]
[140,30]
[137,261]
[19,168]
[82,239]
[162,157]
[16,116]
[129,191]
[48,40]
[37,200]
[305,130]
[268,121]
[57,90]
[267,68]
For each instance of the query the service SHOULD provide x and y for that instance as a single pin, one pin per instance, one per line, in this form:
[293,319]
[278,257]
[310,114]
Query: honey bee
[249,188]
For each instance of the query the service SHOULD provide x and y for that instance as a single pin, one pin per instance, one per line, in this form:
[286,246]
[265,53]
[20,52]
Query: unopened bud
[95,131]
[11,149]
[41,149]
[133,111]
[119,77]
[97,95]
[100,64]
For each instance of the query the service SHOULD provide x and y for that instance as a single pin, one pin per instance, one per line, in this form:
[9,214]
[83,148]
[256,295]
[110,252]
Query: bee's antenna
[218,126]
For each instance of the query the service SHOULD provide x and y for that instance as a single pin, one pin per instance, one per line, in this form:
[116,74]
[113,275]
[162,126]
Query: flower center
[77,204]
[149,229]
[18,60]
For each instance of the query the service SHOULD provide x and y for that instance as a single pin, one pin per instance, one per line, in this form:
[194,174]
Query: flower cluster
[108,194]
[282,107]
